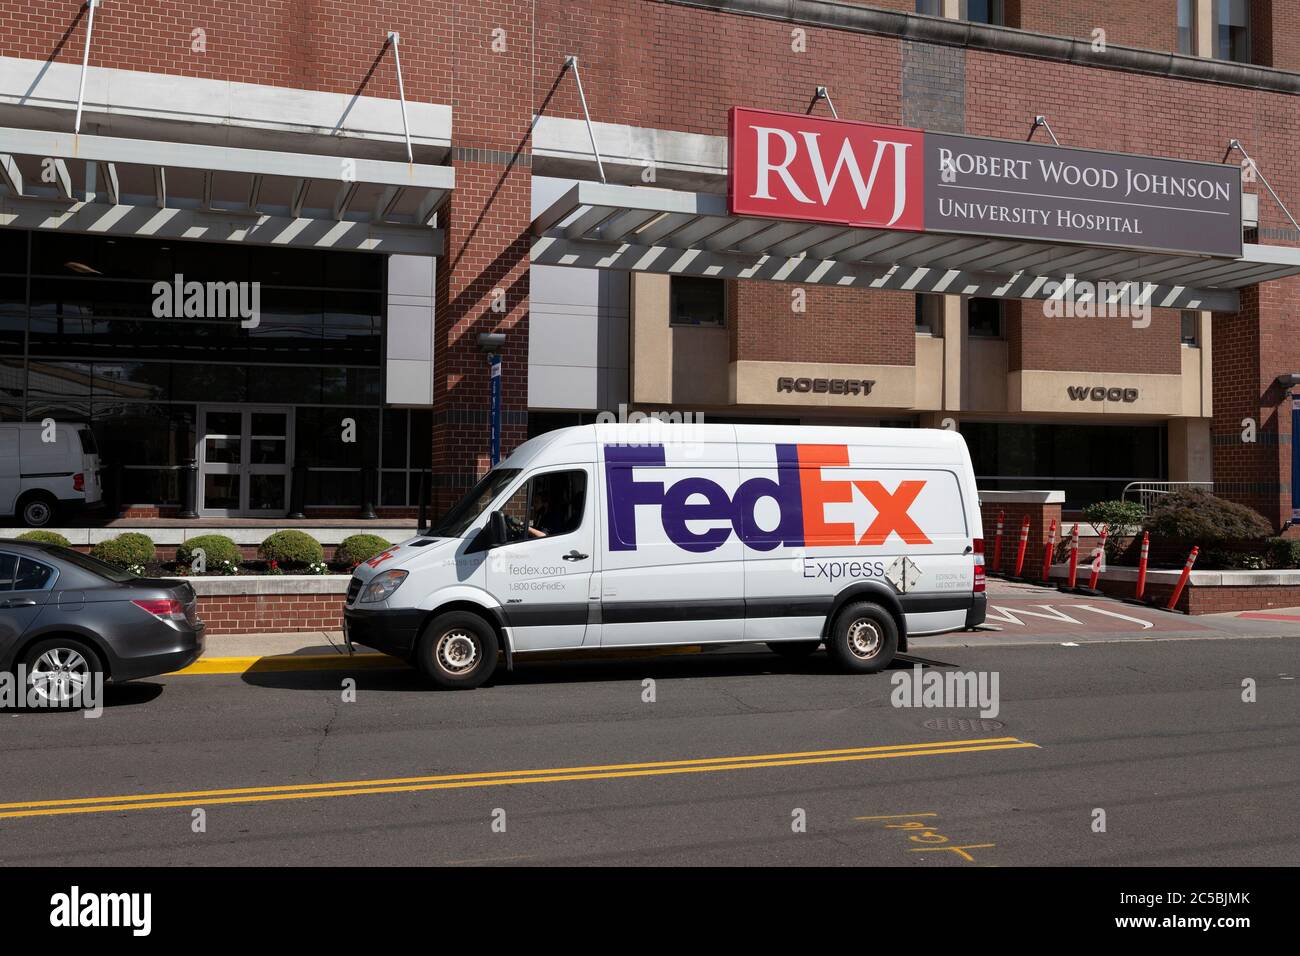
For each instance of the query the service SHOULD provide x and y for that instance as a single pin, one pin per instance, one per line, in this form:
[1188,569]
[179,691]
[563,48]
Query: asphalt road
[1152,732]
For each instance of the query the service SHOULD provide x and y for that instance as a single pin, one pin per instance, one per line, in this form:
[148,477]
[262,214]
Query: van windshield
[462,514]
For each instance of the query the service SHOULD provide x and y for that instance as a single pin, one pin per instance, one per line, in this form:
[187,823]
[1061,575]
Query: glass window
[984,318]
[929,315]
[13,251]
[93,565]
[701,302]
[1232,30]
[8,565]
[1191,321]
[983,11]
[1187,27]
[931,8]
[33,575]
[462,514]
[547,505]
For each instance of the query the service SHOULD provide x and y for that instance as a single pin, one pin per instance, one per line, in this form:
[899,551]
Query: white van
[653,535]
[46,470]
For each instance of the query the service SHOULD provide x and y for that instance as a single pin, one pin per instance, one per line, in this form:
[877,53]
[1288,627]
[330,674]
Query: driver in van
[546,518]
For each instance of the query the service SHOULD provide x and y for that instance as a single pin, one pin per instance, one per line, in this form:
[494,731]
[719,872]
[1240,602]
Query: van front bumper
[391,631]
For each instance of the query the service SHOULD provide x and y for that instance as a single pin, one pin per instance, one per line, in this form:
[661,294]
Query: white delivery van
[47,469]
[654,534]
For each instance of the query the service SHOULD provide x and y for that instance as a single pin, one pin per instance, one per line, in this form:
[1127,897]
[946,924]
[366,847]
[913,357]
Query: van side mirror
[493,534]
[497,526]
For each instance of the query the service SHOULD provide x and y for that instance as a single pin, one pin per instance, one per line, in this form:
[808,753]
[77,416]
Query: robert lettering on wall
[826,386]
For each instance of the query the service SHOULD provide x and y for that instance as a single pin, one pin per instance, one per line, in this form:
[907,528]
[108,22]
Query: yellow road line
[498,778]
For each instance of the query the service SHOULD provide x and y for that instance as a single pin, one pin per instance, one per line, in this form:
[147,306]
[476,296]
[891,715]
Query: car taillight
[977,546]
[79,482]
[163,609]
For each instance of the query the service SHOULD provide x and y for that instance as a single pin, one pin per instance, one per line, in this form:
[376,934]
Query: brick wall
[838,325]
[269,613]
[1113,344]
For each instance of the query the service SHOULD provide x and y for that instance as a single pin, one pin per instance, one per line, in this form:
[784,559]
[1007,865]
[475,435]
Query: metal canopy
[135,187]
[640,229]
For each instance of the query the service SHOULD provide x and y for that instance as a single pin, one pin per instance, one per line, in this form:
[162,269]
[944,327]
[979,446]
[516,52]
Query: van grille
[354,588]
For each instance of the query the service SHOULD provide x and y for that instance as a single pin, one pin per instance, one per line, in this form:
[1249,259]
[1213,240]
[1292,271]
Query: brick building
[389,227]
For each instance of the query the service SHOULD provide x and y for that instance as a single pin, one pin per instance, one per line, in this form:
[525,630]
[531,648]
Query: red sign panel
[792,166]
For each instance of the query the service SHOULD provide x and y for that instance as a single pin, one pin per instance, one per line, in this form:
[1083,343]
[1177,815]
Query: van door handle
[18,602]
[575,556]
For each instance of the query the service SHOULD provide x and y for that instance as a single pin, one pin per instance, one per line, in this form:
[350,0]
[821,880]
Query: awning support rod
[572,61]
[1041,120]
[1236,144]
[85,63]
[822,93]
[394,38]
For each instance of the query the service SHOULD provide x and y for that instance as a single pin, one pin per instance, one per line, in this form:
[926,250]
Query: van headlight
[382,586]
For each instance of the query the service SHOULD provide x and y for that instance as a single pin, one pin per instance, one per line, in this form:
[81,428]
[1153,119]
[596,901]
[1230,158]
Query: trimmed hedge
[1283,553]
[45,537]
[126,550]
[217,548]
[360,547]
[1195,515]
[292,548]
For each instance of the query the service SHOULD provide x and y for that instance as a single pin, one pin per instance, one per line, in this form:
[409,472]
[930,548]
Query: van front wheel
[863,639]
[457,651]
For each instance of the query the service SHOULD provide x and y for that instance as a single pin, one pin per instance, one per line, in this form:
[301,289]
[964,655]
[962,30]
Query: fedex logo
[792,166]
[801,493]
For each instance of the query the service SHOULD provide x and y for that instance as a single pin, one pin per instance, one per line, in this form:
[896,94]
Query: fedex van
[655,534]
[47,470]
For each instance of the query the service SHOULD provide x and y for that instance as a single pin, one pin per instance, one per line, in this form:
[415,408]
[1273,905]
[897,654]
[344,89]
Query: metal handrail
[1147,492]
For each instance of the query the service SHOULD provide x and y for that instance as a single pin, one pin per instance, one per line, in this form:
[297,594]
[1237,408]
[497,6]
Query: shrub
[1283,552]
[220,554]
[1122,518]
[1195,515]
[291,548]
[45,537]
[129,550]
[360,547]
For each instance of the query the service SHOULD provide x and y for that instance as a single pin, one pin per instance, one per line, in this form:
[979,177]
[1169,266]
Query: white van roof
[577,442]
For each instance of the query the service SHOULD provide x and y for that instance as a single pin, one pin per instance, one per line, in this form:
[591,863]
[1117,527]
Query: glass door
[244,456]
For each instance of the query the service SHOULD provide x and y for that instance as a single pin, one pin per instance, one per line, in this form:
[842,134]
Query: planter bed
[1207,592]
[262,603]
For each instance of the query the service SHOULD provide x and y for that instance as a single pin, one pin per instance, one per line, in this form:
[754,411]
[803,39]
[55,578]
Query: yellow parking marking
[278,663]
[499,777]
[286,662]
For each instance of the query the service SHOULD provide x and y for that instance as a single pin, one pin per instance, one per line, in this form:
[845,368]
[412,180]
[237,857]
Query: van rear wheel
[457,651]
[863,639]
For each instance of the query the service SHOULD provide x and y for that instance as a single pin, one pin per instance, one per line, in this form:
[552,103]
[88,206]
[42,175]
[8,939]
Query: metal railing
[1148,493]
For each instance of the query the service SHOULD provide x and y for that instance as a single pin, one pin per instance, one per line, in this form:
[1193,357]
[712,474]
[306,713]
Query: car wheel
[36,510]
[457,651]
[863,639]
[793,649]
[60,670]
